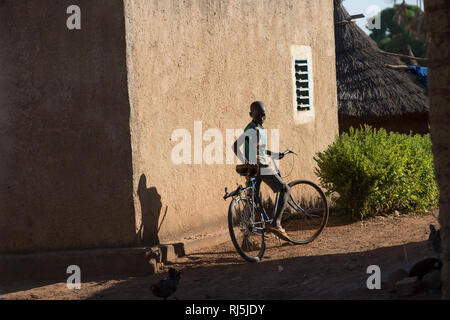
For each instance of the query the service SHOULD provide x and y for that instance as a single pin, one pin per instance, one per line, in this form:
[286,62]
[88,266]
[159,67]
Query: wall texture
[206,61]
[65,154]
[87,117]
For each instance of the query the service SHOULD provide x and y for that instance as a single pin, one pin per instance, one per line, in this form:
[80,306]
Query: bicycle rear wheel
[306,213]
[246,232]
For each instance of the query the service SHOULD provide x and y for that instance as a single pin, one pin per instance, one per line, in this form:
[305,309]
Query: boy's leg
[258,185]
[276,183]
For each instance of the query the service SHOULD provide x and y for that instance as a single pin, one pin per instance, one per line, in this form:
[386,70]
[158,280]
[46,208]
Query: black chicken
[425,266]
[167,286]
[434,240]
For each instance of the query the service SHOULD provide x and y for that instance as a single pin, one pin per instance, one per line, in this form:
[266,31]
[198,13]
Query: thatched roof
[365,86]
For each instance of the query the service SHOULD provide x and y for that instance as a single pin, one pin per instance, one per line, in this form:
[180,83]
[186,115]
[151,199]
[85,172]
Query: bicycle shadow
[151,205]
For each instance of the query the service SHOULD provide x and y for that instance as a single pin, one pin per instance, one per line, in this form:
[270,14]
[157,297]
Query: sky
[366,7]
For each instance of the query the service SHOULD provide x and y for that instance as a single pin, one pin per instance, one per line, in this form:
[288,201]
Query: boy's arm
[236,146]
[275,155]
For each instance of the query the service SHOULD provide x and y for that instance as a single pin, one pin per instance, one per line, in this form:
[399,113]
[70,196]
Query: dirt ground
[332,267]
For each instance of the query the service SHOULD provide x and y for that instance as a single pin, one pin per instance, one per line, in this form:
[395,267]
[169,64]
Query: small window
[302,84]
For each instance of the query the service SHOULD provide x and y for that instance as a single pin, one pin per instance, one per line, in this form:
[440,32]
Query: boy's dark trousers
[276,183]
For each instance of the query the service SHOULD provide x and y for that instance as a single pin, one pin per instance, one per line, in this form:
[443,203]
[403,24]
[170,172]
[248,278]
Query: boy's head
[258,112]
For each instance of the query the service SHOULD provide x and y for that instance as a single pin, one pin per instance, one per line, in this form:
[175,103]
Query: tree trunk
[437,20]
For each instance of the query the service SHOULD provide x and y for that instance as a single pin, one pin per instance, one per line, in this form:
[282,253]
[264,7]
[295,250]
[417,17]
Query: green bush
[370,172]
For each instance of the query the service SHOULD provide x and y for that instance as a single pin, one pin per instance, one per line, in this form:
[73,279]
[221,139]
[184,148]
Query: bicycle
[304,218]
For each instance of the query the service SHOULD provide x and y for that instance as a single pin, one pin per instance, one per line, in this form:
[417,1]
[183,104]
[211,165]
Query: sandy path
[333,266]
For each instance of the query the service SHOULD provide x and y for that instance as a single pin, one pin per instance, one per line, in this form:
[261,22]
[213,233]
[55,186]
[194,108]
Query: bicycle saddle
[247,170]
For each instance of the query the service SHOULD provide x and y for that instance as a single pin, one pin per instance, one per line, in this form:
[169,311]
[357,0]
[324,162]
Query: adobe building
[88,118]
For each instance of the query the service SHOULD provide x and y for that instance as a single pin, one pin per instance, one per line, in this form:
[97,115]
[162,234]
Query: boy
[255,153]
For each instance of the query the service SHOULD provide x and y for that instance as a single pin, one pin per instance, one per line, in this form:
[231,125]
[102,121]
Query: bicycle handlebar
[232,194]
[286,153]
[289,151]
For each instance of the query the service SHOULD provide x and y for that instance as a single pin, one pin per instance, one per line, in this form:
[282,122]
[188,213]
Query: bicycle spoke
[246,230]
[307,213]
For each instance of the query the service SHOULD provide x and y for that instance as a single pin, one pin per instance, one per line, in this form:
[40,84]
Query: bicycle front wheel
[306,213]
[246,229]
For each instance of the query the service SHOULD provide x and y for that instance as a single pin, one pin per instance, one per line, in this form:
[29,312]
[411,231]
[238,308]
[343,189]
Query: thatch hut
[368,91]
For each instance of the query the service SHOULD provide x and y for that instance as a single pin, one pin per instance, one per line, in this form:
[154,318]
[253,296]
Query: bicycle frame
[252,185]
[257,201]
[295,206]
[247,213]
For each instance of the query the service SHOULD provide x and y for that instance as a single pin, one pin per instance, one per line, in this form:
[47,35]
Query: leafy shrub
[370,172]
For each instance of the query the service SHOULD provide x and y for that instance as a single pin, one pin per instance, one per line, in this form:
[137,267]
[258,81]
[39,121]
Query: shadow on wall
[151,206]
